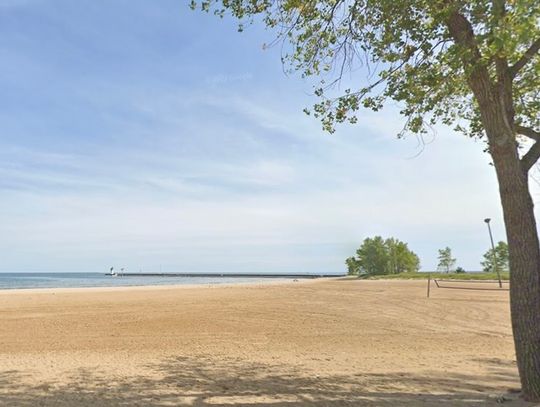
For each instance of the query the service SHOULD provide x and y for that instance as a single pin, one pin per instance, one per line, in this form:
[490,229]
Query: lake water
[59,280]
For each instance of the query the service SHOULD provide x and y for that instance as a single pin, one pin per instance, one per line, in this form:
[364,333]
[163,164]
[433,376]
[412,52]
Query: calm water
[58,280]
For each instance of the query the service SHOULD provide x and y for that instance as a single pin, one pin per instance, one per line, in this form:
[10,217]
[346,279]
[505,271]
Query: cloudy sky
[139,133]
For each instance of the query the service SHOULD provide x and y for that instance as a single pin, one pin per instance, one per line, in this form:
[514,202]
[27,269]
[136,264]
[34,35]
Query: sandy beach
[308,343]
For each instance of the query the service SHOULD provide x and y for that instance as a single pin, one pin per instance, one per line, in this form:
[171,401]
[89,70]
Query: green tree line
[378,256]
[383,256]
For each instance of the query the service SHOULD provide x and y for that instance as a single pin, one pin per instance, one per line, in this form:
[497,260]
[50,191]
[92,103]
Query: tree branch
[501,63]
[531,157]
[527,131]
[462,32]
[526,57]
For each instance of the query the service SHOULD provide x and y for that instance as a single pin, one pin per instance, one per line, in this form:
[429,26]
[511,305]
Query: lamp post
[494,255]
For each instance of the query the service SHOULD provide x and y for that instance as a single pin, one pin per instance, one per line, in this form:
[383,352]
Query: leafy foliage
[379,256]
[408,50]
[353,268]
[500,259]
[446,261]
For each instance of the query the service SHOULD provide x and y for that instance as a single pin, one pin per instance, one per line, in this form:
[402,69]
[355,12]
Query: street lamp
[494,255]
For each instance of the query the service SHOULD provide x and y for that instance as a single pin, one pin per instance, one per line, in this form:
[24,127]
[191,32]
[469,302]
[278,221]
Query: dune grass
[423,275]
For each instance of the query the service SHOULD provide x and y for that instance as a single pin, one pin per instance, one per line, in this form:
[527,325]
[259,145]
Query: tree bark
[524,256]
[495,103]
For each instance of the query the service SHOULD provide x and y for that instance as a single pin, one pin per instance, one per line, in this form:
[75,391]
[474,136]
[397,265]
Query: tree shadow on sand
[190,381]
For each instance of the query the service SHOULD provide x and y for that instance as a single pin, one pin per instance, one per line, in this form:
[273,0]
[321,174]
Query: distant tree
[353,268]
[501,258]
[446,261]
[400,258]
[373,256]
[379,256]
[460,270]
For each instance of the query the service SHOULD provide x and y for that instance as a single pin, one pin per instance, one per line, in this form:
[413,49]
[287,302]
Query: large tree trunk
[524,254]
[496,107]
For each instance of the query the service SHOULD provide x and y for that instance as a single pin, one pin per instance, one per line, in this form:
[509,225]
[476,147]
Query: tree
[501,258]
[353,268]
[379,256]
[373,256]
[446,261]
[400,258]
[470,64]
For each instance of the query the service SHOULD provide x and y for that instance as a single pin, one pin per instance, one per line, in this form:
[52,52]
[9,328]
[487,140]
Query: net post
[428,284]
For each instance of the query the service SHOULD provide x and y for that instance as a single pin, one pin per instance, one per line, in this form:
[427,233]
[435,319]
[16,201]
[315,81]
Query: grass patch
[424,276]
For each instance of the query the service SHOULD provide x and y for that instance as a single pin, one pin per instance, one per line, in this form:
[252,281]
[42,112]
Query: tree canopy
[446,261]
[500,260]
[383,256]
[353,268]
[410,51]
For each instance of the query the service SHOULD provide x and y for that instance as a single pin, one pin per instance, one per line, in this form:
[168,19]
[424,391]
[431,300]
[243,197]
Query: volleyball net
[462,284]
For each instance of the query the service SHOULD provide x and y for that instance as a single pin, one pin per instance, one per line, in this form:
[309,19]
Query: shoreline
[157,287]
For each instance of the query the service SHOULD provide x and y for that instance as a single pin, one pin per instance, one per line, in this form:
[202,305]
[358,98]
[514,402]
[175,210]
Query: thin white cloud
[178,171]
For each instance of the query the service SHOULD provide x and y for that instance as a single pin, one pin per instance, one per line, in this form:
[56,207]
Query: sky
[141,134]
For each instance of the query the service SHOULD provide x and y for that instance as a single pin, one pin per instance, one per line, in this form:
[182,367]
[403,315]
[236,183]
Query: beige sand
[308,343]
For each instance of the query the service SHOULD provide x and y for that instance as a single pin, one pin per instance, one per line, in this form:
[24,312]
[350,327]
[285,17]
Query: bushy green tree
[446,261]
[470,64]
[373,256]
[400,258]
[379,256]
[501,258]
[353,268]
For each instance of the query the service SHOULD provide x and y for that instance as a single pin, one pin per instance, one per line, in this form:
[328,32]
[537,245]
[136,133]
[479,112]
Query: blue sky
[139,134]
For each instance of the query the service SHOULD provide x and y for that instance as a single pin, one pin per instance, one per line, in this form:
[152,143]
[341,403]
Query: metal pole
[494,255]
[428,283]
